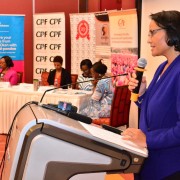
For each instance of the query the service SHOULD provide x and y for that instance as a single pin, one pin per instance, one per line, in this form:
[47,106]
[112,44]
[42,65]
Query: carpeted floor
[2,145]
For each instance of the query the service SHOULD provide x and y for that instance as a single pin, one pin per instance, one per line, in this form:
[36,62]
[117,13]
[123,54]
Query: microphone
[139,73]
[80,117]
[79,83]
[72,115]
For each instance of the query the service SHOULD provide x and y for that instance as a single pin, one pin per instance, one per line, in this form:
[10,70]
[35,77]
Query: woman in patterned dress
[100,102]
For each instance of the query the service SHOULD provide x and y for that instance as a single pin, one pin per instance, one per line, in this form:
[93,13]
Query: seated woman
[6,72]
[100,103]
[59,77]
[85,66]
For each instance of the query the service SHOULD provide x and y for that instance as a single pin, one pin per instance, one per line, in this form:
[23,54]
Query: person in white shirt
[85,66]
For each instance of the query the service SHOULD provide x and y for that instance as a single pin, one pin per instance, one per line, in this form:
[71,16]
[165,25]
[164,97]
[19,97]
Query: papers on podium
[115,139]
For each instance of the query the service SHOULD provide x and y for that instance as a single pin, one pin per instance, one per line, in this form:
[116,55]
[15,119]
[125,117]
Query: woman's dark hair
[8,61]
[170,21]
[99,67]
[86,62]
[58,59]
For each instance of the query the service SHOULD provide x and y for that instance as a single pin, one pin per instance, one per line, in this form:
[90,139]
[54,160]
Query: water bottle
[36,84]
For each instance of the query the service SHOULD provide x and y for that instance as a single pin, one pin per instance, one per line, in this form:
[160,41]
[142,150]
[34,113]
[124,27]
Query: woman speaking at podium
[160,104]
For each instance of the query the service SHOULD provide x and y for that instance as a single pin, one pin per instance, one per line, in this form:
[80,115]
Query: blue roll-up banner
[12,36]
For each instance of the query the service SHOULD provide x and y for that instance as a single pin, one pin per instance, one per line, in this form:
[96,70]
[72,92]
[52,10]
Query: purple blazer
[160,121]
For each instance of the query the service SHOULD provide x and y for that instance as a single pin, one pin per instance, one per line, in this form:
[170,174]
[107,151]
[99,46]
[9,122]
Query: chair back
[20,76]
[44,77]
[74,80]
[120,107]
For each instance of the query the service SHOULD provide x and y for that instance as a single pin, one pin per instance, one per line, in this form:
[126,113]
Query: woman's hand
[133,83]
[135,135]
[94,82]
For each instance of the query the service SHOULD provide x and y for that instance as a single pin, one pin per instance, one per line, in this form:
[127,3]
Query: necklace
[4,71]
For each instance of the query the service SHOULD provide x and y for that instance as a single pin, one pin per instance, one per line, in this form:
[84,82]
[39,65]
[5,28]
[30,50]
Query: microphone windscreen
[142,62]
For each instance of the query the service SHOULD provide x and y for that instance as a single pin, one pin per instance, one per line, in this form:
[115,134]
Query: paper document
[116,139]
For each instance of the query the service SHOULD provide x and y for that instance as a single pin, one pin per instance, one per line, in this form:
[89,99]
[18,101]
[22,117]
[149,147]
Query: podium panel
[47,145]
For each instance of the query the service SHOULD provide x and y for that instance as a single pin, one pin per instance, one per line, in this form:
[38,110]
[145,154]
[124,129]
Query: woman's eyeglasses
[153,32]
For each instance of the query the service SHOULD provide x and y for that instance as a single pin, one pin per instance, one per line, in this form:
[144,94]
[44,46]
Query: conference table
[13,98]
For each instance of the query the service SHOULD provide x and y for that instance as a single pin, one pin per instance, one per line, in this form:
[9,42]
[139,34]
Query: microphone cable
[80,83]
[71,115]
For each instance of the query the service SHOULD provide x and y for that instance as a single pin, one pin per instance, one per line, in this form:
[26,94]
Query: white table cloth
[13,98]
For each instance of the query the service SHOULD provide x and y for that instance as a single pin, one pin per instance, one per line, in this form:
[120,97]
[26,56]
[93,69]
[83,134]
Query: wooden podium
[45,145]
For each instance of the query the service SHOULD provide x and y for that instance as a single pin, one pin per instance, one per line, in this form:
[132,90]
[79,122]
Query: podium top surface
[27,119]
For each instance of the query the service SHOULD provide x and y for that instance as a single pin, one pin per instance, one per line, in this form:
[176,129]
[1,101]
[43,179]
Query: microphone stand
[73,115]
[79,83]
